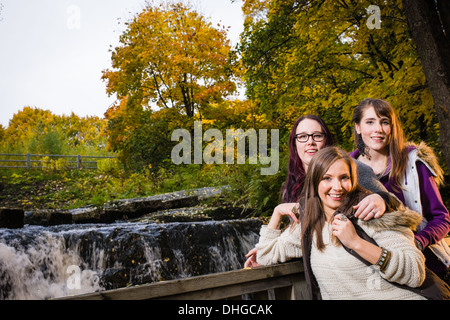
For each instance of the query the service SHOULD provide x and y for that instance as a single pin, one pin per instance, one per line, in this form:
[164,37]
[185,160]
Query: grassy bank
[66,189]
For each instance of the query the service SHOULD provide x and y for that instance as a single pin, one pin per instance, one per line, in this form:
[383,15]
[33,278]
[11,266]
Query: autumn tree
[36,130]
[83,132]
[171,64]
[322,57]
[171,57]
[24,127]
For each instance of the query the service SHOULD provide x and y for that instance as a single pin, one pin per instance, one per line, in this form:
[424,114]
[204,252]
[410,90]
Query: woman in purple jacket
[409,171]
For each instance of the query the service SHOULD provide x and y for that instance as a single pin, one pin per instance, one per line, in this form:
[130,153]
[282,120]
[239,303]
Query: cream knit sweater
[342,276]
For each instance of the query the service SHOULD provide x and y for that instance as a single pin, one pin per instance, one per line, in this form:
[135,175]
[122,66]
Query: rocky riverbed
[186,205]
[54,253]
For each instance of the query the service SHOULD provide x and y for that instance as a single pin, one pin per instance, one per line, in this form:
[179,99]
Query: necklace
[382,172]
[369,163]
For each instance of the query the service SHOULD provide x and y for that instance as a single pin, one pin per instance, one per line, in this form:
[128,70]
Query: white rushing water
[42,263]
[45,270]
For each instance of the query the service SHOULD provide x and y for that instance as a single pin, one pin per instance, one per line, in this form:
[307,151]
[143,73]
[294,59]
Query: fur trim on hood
[427,154]
[395,220]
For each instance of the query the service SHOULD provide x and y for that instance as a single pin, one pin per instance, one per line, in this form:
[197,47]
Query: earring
[362,148]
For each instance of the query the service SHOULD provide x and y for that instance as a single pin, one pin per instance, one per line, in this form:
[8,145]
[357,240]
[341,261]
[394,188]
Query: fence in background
[31,161]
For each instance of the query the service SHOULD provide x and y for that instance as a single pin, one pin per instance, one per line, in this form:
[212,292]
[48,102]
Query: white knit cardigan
[342,276]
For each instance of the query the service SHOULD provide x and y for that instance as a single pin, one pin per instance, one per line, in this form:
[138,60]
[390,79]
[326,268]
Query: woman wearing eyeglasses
[310,134]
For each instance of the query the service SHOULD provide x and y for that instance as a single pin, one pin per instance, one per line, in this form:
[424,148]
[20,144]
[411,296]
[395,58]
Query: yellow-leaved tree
[39,131]
[170,58]
[324,57]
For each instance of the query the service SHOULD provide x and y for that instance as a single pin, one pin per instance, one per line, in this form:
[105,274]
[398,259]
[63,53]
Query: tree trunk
[433,48]
[188,104]
[444,14]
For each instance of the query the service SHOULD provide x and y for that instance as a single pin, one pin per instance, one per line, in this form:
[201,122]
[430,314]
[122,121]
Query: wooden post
[28,161]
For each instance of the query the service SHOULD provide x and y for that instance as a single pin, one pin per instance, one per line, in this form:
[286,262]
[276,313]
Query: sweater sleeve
[433,209]
[276,246]
[368,180]
[407,263]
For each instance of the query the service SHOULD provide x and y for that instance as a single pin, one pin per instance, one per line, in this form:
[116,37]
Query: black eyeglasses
[304,137]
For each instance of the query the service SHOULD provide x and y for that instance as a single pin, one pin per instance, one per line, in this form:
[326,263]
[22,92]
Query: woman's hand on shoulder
[372,206]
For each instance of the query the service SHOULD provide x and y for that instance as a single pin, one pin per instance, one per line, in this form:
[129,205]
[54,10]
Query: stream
[51,261]
[48,262]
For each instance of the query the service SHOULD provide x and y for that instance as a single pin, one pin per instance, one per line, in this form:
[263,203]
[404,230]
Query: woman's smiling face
[306,150]
[375,131]
[334,186]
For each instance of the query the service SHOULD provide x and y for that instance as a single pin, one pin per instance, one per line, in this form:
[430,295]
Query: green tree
[143,138]
[36,130]
[321,57]
[46,143]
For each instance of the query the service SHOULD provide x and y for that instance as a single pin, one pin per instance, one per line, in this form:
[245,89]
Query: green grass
[66,189]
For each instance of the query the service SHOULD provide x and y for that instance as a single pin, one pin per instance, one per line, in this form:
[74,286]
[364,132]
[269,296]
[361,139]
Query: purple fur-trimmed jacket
[421,194]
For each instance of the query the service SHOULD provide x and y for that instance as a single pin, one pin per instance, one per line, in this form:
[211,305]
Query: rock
[182,202]
[190,214]
[90,214]
[137,207]
[227,212]
[115,278]
[131,208]
[48,217]
[124,209]
[11,218]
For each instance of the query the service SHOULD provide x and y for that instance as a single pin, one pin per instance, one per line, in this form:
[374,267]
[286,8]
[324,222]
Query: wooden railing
[28,161]
[278,282]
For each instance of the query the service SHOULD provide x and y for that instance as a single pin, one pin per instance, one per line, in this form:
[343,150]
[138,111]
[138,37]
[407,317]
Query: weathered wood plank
[232,291]
[231,283]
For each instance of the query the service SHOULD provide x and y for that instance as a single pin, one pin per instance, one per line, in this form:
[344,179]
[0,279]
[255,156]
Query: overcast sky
[52,52]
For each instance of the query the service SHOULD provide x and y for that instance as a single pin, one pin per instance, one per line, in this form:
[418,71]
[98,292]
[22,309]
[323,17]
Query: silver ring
[343,218]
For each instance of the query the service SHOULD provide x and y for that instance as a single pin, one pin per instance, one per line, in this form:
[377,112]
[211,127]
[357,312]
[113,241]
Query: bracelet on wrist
[383,260]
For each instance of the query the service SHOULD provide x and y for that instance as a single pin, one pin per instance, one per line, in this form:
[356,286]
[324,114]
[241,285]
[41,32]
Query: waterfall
[48,262]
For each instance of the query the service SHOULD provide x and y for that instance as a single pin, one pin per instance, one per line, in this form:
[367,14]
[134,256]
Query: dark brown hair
[296,173]
[313,217]
[397,150]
